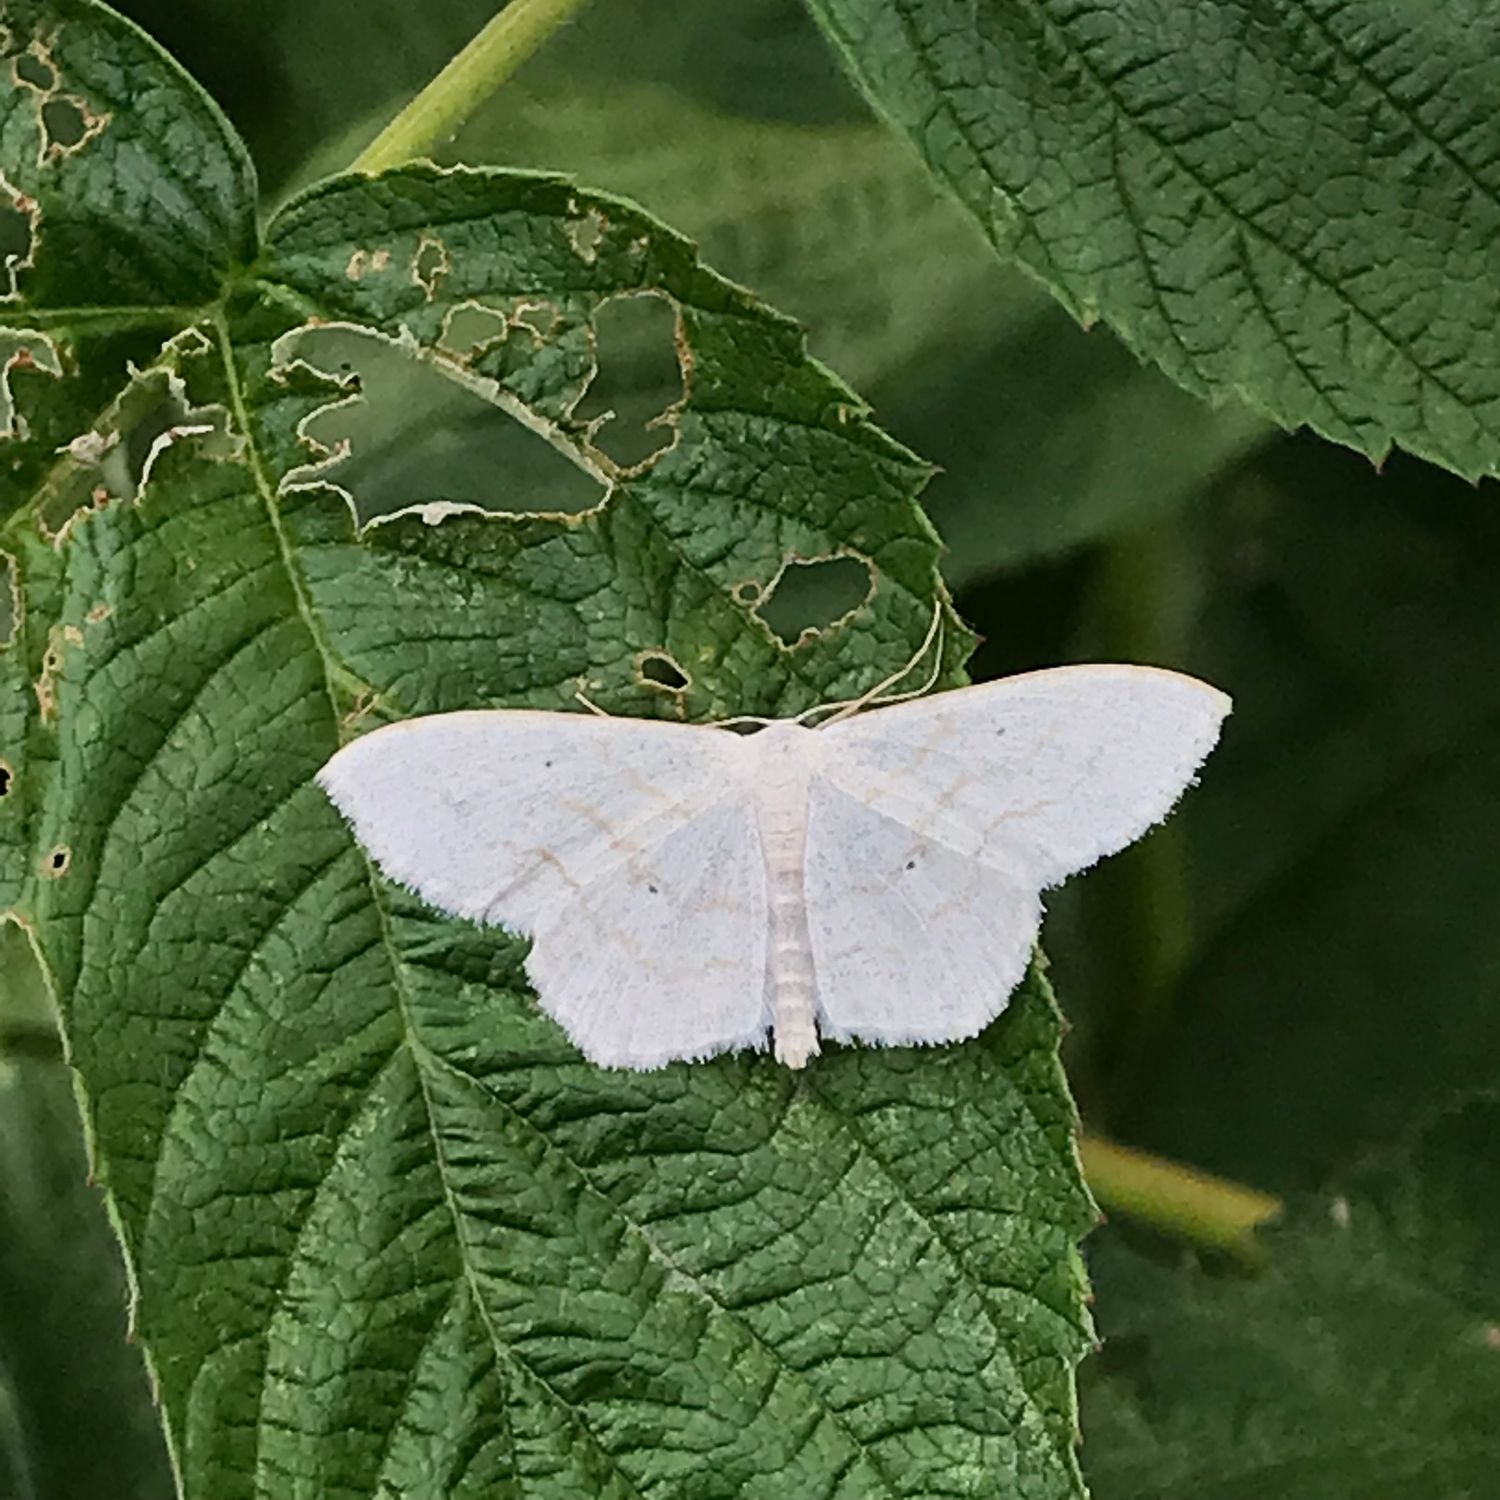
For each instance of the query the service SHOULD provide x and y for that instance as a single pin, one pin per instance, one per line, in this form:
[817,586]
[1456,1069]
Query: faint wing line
[622,851]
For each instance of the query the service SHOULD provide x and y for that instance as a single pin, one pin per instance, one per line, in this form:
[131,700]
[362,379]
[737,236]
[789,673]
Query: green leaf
[1294,203]
[1365,1361]
[389,1234]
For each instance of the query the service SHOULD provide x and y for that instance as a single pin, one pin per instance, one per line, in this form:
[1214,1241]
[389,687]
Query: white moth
[689,889]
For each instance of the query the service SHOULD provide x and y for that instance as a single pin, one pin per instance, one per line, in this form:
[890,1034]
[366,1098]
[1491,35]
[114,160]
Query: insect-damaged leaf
[389,1233]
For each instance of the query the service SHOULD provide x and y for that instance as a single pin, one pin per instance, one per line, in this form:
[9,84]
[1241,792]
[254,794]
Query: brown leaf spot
[362,261]
[46,684]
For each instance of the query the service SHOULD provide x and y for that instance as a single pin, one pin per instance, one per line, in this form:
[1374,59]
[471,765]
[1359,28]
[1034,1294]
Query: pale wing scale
[558,826]
[499,815]
[912,941]
[935,825]
[663,956]
[1038,775]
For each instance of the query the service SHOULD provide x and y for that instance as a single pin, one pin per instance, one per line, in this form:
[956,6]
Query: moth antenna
[589,704]
[846,708]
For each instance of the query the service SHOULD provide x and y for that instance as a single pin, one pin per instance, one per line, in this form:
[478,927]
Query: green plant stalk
[1144,621]
[432,119]
[1178,1200]
[1139,614]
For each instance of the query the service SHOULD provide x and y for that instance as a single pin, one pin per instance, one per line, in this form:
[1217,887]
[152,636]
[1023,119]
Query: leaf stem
[1144,594]
[432,119]
[1178,1200]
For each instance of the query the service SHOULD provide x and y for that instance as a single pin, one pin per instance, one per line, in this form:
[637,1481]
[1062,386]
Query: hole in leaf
[430,265]
[111,461]
[7,775]
[470,328]
[36,71]
[815,594]
[22,357]
[638,380]
[660,668]
[153,421]
[15,232]
[540,318]
[64,123]
[120,466]
[746,592]
[416,435]
[18,216]
[56,864]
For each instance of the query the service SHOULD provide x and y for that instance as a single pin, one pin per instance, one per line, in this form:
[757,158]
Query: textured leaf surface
[389,1234]
[1365,1361]
[1294,202]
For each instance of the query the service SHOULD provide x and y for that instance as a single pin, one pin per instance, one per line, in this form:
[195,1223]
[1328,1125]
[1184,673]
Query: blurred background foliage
[1280,985]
